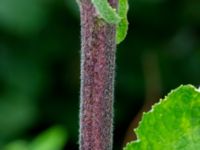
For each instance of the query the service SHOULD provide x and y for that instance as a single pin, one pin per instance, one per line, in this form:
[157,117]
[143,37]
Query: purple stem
[97,79]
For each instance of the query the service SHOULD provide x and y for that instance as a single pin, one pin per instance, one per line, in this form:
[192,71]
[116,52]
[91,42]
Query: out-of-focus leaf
[52,139]
[17,145]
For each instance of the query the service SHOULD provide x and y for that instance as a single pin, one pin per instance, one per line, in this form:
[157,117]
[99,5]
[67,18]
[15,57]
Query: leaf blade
[106,11]
[122,27]
[173,123]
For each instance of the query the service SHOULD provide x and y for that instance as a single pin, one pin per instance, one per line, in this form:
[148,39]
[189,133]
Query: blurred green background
[39,67]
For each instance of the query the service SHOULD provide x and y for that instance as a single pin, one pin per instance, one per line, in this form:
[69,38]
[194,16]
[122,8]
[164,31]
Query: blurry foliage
[39,63]
[23,16]
[52,139]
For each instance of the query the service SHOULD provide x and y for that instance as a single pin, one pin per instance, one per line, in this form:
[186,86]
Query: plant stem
[97,79]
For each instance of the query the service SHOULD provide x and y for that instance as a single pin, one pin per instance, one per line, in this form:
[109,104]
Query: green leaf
[52,139]
[172,124]
[17,145]
[111,16]
[106,11]
[122,27]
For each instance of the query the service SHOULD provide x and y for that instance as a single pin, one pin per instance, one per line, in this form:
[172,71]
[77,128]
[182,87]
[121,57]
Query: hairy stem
[97,79]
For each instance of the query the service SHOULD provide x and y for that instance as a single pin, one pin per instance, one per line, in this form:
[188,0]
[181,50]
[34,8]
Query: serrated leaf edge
[152,110]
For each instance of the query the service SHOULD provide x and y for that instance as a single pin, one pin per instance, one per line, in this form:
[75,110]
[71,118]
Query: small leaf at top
[106,11]
[122,27]
[172,124]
